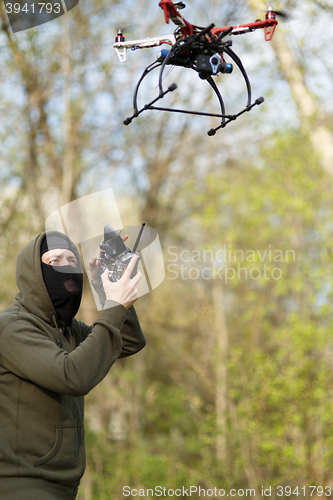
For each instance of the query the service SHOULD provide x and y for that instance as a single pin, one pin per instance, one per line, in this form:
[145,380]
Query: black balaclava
[63,283]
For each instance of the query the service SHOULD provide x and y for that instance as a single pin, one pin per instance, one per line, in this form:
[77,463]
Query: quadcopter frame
[200,49]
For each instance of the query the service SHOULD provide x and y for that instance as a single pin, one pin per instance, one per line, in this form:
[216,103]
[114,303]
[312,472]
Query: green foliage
[279,423]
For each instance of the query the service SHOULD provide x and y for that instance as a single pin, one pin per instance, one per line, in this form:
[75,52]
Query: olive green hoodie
[44,374]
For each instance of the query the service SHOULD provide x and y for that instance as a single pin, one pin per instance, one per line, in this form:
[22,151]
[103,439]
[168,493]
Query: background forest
[235,386]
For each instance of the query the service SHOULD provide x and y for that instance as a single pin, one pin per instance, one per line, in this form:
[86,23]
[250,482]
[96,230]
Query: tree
[314,119]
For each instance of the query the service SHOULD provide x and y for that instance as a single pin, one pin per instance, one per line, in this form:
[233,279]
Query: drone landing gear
[186,53]
[171,88]
[230,118]
[150,106]
[136,113]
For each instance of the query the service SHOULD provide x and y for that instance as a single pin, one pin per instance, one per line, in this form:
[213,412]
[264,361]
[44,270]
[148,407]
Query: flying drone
[200,49]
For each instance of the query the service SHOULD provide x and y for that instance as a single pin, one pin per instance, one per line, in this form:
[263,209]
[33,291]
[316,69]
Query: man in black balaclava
[49,361]
[63,277]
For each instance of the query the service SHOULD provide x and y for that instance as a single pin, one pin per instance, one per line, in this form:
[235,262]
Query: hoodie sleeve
[31,354]
[133,339]
[132,336]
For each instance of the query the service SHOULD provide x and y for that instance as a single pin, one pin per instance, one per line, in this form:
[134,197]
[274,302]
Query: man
[49,361]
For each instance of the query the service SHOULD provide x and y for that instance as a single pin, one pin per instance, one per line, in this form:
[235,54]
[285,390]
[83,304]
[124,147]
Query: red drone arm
[171,12]
[268,24]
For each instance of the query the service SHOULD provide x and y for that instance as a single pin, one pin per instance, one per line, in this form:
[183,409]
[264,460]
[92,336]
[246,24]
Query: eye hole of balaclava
[64,283]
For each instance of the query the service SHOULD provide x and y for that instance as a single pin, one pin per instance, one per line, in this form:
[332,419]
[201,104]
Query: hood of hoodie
[33,294]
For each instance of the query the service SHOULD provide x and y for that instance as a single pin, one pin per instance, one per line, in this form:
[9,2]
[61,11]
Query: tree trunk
[221,387]
[68,161]
[312,119]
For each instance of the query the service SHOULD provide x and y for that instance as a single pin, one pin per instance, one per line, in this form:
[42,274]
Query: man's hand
[94,264]
[124,291]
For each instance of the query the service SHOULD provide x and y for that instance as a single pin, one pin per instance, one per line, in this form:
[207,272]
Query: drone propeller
[282,14]
[279,13]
